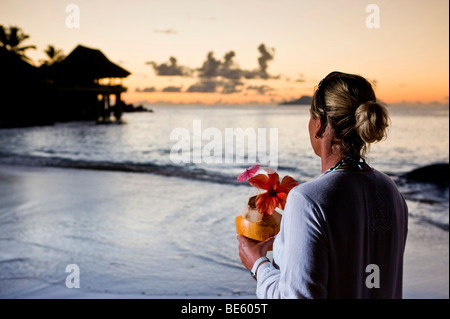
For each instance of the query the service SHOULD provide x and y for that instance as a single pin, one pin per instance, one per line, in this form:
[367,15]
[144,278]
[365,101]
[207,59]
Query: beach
[131,235]
[124,130]
[138,235]
[111,201]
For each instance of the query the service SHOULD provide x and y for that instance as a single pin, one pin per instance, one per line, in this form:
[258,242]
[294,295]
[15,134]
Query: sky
[249,51]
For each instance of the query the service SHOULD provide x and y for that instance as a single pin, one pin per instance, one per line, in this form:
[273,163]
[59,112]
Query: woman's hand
[250,250]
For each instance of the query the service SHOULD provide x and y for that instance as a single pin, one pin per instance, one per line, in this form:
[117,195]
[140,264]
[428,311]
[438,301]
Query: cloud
[232,86]
[301,78]
[170,69]
[148,89]
[228,69]
[153,89]
[213,85]
[214,68]
[204,86]
[260,89]
[210,67]
[168,31]
[172,89]
[220,75]
[263,59]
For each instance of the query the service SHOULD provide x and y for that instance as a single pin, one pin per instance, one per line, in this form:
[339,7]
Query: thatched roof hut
[88,64]
[65,91]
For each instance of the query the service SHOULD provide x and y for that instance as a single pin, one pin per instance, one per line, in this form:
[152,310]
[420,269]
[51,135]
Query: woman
[343,234]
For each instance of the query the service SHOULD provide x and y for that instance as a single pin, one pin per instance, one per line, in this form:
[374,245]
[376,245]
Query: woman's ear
[317,127]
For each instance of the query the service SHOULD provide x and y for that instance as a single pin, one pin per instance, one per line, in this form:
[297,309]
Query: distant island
[304,100]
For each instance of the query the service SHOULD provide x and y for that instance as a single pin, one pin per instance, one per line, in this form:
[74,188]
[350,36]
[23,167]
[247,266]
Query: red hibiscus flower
[276,192]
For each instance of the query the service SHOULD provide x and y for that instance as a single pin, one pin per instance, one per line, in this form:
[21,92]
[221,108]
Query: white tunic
[342,235]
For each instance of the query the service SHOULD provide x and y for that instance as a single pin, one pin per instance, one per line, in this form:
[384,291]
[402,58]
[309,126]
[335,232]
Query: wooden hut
[81,95]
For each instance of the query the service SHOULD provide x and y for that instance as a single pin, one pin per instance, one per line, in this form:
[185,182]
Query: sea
[147,207]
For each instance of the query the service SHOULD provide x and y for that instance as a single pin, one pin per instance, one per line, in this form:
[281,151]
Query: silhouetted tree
[11,39]
[53,55]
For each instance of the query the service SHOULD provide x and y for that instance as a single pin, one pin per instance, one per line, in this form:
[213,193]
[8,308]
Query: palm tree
[53,55]
[11,39]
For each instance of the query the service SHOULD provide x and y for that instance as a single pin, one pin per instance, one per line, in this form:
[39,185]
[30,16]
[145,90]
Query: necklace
[351,162]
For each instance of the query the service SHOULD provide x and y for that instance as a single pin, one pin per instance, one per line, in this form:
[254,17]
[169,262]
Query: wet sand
[25,190]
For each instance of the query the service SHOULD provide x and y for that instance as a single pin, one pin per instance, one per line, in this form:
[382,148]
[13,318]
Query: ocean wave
[426,185]
[187,171]
[427,180]
[183,171]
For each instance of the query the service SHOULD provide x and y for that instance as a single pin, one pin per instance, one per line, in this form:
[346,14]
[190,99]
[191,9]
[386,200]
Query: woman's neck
[329,161]
[328,154]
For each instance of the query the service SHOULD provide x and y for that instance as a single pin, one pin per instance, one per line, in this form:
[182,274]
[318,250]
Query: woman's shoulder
[322,183]
[311,191]
[340,182]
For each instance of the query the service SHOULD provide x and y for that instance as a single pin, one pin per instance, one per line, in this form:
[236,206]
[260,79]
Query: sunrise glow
[252,52]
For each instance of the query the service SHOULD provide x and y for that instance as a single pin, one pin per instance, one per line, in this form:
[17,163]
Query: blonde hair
[347,104]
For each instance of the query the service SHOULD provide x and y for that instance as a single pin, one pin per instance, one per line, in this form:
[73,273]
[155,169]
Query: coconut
[254,225]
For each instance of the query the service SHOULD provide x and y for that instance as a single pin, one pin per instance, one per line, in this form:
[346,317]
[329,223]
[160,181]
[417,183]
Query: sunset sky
[264,51]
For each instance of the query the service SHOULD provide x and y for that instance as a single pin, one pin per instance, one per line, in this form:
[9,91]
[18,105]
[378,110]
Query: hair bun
[372,121]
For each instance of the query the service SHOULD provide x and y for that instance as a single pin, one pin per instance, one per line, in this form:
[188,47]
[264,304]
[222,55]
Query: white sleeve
[267,285]
[303,264]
